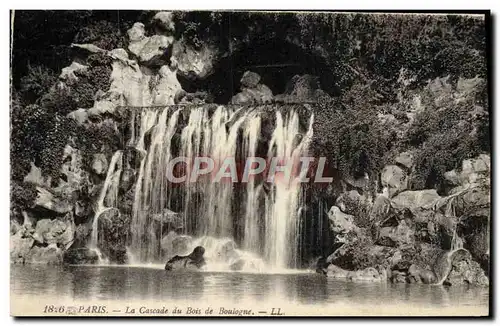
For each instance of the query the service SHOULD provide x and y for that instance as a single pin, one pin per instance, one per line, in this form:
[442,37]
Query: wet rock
[20,245]
[127,179]
[50,255]
[82,235]
[82,209]
[395,179]
[421,275]
[80,256]
[193,261]
[167,86]
[100,164]
[466,271]
[113,233]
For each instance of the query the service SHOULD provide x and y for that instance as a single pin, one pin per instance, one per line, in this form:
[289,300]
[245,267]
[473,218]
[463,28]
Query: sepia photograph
[250,163]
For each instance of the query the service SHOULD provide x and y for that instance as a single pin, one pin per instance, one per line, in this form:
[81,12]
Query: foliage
[104,34]
[22,195]
[38,81]
[451,126]
[346,132]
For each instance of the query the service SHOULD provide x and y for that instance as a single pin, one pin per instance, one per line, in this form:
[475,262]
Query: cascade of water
[209,206]
[191,146]
[250,141]
[139,213]
[217,219]
[281,218]
[111,183]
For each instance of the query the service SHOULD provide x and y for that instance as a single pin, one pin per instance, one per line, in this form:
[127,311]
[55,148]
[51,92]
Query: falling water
[267,219]
[110,184]
[151,190]
[250,142]
[281,219]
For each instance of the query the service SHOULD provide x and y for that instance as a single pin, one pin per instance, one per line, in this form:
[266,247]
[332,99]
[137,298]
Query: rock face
[194,261]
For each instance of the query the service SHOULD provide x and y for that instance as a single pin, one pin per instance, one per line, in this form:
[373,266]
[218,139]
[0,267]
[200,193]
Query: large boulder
[165,21]
[50,255]
[416,200]
[250,79]
[394,179]
[341,224]
[46,200]
[59,231]
[68,75]
[193,63]
[80,256]
[150,51]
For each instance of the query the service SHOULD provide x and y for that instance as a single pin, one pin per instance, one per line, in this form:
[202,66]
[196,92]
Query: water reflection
[133,283]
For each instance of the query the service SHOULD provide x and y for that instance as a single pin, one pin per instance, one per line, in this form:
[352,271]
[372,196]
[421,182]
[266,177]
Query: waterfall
[151,190]
[263,220]
[281,219]
[250,142]
[110,185]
